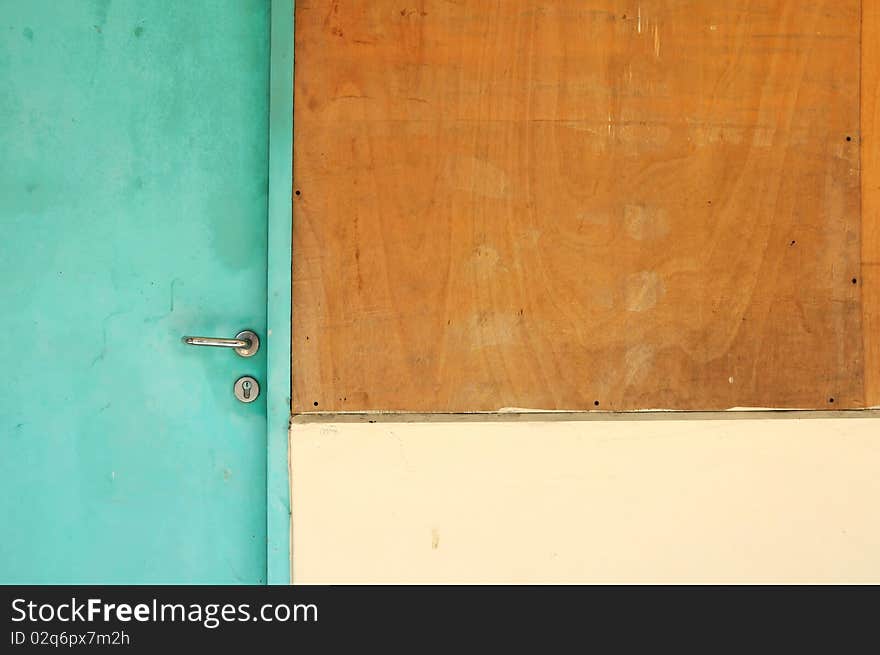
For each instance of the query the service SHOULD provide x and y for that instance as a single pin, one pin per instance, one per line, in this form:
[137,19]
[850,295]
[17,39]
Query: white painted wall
[769,500]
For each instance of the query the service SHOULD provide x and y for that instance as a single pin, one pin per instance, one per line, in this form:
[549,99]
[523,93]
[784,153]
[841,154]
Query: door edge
[278,322]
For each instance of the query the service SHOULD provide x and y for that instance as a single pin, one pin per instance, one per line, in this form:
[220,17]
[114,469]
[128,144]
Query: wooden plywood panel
[567,205]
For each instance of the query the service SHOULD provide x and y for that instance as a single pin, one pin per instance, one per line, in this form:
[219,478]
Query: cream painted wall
[767,500]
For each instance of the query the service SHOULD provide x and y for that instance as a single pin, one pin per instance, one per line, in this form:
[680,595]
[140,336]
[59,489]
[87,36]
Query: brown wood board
[573,205]
[870,143]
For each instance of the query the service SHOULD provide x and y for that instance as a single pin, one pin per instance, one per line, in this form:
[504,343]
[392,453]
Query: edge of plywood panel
[870,172]
[279,304]
[527,416]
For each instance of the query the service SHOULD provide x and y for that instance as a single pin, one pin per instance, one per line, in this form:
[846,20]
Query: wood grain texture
[575,205]
[870,281]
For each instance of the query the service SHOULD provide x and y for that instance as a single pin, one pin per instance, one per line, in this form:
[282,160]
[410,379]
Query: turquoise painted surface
[133,202]
[279,319]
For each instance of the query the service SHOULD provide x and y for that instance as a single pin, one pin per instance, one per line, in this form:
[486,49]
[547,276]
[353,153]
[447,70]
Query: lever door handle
[246,343]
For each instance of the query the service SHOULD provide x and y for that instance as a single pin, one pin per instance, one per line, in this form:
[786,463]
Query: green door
[133,201]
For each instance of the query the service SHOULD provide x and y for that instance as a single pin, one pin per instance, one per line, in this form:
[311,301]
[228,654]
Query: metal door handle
[246,343]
